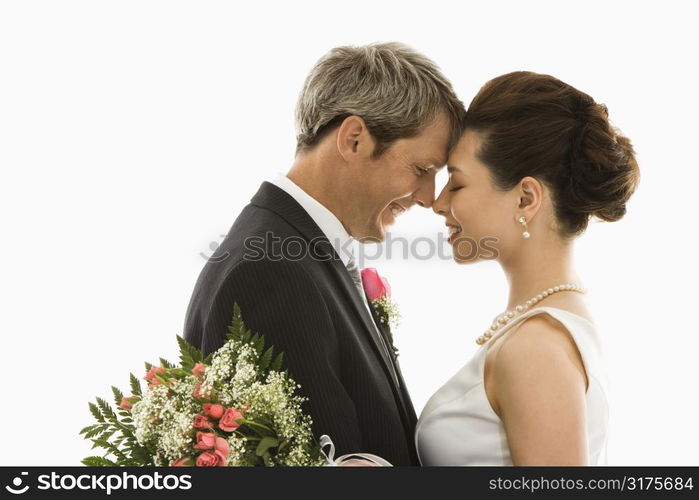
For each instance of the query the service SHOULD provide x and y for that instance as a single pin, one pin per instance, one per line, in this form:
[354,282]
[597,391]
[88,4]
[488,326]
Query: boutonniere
[378,292]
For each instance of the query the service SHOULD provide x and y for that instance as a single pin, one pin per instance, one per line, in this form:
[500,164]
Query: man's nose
[425,195]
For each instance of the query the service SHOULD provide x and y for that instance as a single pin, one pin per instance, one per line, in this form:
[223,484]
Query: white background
[132,134]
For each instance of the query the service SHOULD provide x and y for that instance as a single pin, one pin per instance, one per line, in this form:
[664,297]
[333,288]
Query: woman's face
[481,219]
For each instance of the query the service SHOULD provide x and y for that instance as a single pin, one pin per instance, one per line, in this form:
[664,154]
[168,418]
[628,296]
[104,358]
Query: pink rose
[222,448]
[212,410]
[183,462]
[199,369]
[205,441]
[222,460]
[127,403]
[228,420]
[201,422]
[207,459]
[150,376]
[375,286]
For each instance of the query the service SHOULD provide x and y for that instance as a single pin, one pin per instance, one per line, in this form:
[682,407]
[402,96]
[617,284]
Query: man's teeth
[454,230]
[396,210]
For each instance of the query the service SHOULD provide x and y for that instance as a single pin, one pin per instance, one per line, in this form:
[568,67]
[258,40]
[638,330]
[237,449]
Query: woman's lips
[454,232]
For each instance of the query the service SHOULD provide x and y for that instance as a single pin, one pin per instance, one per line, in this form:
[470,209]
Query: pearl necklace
[506,317]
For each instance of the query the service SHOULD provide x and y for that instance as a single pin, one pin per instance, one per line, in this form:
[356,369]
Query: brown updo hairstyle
[536,125]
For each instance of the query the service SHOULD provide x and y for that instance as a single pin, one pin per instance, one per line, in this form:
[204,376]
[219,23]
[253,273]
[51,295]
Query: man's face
[403,176]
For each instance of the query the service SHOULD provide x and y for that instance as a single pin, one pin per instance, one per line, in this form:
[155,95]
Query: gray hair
[393,88]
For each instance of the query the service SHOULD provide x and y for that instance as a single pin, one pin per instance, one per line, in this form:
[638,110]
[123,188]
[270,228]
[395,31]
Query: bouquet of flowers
[234,408]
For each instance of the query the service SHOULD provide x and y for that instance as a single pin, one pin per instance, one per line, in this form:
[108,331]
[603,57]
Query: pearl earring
[523,221]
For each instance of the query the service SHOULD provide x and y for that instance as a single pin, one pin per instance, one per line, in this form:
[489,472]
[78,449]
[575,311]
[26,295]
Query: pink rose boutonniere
[378,292]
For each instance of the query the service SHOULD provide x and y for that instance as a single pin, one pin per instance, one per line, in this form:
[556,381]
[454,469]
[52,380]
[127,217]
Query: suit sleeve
[280,301]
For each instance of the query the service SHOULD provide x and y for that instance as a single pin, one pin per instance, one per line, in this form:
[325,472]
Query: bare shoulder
[537,389]
[540,347]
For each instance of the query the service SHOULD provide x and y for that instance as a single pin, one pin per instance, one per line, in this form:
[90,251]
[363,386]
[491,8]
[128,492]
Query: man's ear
[354,140]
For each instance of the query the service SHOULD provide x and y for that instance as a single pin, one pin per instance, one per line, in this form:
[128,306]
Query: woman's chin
[464,250]
[465,261]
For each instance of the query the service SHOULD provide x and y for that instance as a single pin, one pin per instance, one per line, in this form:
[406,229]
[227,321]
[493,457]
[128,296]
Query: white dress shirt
[331,226]
[339,238]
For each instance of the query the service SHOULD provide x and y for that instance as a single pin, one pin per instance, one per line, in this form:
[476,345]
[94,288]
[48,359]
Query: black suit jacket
[306,305]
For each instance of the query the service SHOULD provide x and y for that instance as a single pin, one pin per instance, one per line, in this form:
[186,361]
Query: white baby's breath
[164,416]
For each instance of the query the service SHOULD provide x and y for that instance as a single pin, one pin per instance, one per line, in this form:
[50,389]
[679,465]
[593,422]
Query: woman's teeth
[454,230]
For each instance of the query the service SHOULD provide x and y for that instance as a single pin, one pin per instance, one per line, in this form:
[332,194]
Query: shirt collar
[331,226]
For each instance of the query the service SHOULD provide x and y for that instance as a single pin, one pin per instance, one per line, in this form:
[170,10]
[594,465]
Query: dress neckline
[527,314]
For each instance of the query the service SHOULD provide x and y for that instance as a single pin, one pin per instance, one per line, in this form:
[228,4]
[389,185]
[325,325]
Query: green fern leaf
[189,355]
[247,335]
[93,432]
[101,443]
[96,413]
[97,462]
[237,320]
[259,345]
[87,429]
[107,434]
[107,411]
[141,455]
[277,363]
[165,363]
[117,395]
[266,358]
[135,385]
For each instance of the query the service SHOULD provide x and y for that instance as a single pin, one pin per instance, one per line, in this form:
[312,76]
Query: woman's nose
[440,205]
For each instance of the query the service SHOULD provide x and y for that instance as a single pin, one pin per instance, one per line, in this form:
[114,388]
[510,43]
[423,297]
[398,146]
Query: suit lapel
[405,398]
[385,333]
[273,198]
[279,201]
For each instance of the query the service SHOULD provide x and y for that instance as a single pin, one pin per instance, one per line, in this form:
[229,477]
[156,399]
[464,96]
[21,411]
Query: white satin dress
[459,427]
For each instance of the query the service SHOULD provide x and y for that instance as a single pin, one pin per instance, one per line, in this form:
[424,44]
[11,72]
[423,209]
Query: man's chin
[385,223]
[383,229]
[378,237]
[373,235]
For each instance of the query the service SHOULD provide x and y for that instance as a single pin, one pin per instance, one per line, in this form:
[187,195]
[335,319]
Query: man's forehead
[438,162]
